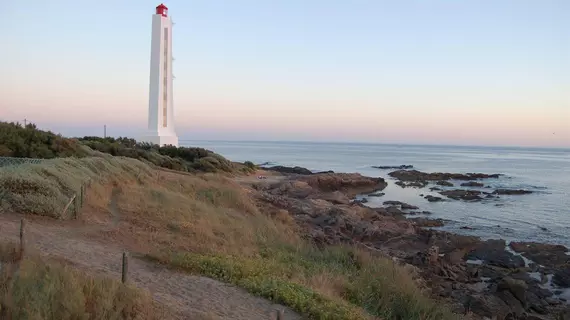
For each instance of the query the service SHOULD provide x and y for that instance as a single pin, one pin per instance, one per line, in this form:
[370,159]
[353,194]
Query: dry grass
[33,288]
[207,224]
[46,188]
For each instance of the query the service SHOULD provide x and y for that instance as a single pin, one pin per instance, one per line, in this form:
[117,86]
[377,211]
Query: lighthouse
[161,129]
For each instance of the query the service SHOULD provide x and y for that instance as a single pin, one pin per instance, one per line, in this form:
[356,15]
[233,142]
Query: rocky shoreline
[491,279]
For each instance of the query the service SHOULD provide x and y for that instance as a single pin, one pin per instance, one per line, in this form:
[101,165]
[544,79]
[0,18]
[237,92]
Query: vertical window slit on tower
[165,82]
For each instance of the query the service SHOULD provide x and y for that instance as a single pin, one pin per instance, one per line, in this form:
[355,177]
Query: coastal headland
[209,238]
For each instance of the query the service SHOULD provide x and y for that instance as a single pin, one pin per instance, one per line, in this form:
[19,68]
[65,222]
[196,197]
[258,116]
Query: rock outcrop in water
[467,195]
[414,184]
[289,170]
[403,205]
[414,175]
[472,184]
[418,179]
[401,167]
[511,192]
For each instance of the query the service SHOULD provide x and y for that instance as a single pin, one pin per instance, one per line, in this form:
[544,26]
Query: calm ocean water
[524,217]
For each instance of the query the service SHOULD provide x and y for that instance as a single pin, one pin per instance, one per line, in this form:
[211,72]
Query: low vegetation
[205,223]
[30,142]
[33,288]
[46,188]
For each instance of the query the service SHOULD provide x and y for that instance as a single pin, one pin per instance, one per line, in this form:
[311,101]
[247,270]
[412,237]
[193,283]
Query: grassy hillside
[31,142]
[207,224]
[203,223]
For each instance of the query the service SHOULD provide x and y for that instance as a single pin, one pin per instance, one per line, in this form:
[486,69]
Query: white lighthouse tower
[160,104]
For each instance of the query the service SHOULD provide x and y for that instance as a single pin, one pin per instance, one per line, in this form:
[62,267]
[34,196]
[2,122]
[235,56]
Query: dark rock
[402,205]
[414,175]
[402,167]
[406,206]
[335,197]
[535,304]
[553,301]
[376,194]
[492,272]
[425,222]
[487,305]
[516,287]
[511,191]
[523,276]
[394,210]
[466,195]
[349,183]
[549,255]
[435,189]
[290,170]
[363,200]
[472,184]
[541,293]
[444,183]
[534,317]
[419,212]
[493,252]
[431,198]
[467,228]
[295,189]
[329,171]
[413,184]
[562,277]
[515,305]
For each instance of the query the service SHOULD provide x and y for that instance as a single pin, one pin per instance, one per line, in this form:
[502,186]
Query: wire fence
[9,161]
[6,162]
[76,200]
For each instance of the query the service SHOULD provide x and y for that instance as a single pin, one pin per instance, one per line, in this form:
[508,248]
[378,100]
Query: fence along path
[188,296]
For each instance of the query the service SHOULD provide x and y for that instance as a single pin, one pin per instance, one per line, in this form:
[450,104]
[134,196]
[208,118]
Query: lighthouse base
[160,140]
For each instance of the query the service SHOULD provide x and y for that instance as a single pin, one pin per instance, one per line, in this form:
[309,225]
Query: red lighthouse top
[162,10]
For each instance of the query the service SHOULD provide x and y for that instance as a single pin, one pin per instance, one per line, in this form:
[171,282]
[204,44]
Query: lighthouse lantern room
[162,10]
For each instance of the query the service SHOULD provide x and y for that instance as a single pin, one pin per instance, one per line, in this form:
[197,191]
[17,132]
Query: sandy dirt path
[187,296]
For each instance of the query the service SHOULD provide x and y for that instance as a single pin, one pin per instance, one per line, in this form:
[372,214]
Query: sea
[543,216]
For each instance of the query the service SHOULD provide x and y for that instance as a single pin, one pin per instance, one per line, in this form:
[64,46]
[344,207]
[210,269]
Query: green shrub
[30,142]
[250,165]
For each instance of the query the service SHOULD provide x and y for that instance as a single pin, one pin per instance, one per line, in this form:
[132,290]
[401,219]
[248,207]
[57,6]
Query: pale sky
[469,72]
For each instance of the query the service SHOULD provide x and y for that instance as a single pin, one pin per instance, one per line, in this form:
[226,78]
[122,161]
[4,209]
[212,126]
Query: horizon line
[408,144]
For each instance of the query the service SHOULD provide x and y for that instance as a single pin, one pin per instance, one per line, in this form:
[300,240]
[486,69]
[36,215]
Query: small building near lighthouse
[161,126]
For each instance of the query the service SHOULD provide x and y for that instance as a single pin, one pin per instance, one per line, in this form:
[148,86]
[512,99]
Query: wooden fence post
[22,238]
[67,206]
[82,195]
[125,269]
[280,315]
[75,207]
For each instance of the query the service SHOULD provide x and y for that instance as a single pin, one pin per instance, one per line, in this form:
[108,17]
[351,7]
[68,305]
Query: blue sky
[458,72]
